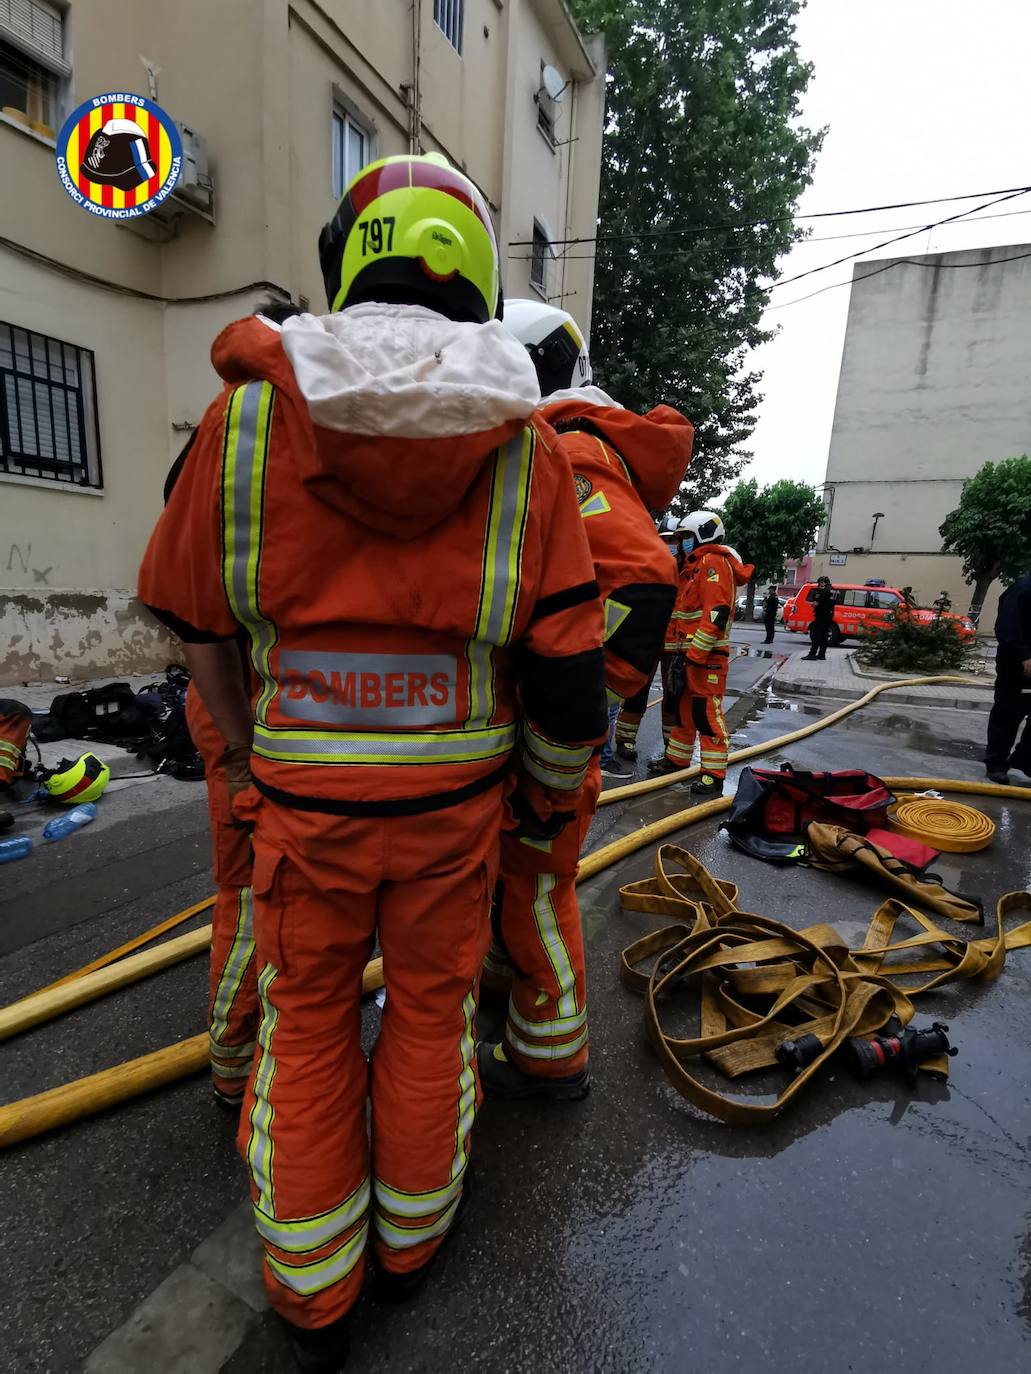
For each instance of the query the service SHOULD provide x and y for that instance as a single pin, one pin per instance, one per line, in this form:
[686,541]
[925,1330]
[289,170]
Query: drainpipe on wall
[570,156]
[415,105]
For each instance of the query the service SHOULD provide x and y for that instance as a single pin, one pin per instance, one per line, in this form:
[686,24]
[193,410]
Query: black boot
[505,1082]
[662,763]
[321,1350]
[627,751]
[707,787]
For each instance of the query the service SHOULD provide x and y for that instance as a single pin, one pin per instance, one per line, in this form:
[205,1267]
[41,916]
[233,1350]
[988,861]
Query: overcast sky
[922,98]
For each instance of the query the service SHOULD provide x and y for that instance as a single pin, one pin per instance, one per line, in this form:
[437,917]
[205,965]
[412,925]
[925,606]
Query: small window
[351,149]
[882,601]
[449,17]
[854,596]
[28,92]
[48,414]
[540,251]
[546,116]
[789,577]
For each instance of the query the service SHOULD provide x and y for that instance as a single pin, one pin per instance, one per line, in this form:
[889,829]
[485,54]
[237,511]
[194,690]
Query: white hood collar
[587,395]
[404,371]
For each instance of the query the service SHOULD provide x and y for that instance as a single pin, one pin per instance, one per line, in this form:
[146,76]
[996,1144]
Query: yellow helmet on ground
[413,231]
[81,781]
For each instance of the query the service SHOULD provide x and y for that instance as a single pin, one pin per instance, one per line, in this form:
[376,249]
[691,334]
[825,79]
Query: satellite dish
[552,84]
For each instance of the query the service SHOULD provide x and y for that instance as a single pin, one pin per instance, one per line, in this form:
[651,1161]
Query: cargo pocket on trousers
[233,856]
[271,910]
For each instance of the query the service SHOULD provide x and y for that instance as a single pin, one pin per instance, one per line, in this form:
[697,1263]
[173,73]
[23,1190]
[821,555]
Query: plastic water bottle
[61,826]
[16,848]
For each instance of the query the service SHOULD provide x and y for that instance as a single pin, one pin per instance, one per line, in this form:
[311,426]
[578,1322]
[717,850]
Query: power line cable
[775,219]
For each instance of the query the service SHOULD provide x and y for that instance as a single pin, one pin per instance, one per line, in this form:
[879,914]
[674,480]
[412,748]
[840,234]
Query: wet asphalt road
[872,1227]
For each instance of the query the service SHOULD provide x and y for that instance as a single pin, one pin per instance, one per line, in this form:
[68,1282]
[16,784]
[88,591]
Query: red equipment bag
[773,807]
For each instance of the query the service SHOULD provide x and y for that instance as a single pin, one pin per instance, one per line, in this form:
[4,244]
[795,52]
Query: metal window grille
[351,144]
[449,17]
[48,410]
[37,28]
[539,252]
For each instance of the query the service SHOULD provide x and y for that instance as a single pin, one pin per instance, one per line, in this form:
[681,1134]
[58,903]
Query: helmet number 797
[377,234]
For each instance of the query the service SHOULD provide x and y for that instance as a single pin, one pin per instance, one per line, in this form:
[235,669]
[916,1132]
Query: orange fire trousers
[537,918]
[325,887]
[700,713]
[233,998]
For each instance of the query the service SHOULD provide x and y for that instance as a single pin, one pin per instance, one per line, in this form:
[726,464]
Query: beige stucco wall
[258,79]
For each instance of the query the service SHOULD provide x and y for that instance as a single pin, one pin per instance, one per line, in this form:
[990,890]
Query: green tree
[991,526]
[703,132]
[771,525]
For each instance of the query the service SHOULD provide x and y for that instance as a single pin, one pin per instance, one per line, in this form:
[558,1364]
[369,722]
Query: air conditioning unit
[194,193]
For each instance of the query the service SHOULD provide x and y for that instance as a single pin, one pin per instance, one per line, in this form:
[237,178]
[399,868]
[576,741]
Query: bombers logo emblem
[583,488]
[119,155]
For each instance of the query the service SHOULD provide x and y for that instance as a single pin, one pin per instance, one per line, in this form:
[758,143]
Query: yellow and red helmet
[413,231]
[81,781]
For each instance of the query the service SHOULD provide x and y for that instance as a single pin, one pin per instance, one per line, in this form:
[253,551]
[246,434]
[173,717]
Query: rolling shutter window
[37,28]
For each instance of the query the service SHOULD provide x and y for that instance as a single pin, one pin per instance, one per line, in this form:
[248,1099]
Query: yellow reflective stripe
[369,747]
[615,614]
[546,1030]
[235,969]
[311,1233]
[230,1071]
[598,504]
[308,1279]
[248,427]
[404,1237]
[426,1204]
[546,920]
[223,1051]
[687,615]
[553,1051]
[562,755]
[550,777]
[260,1148]
[608,454]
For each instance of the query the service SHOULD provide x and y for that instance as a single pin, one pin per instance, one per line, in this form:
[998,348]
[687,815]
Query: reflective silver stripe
[248,426]
[404,1237]
[560,782]
[466,1088]
[311,1233]
[502,561]
[307,1279]
[260,1149]
[365,690]
[445,746]
[546,1030]
[223,1051]
[416,1204]
[546,919]
[230,1070]
[563,755]
[553,1051]
[240,954]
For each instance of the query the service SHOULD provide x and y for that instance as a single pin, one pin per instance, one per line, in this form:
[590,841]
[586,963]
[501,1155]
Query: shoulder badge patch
[583,487]
[713,575]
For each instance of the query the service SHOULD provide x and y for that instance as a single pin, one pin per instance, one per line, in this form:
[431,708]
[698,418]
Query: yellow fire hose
[754,751]
[943,825]
[47,1117]
[32,1116]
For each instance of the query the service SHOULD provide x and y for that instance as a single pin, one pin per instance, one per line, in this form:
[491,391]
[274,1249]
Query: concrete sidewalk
[840,676]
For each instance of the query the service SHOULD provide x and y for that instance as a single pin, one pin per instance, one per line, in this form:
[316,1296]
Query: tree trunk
[750,602]
[981,584]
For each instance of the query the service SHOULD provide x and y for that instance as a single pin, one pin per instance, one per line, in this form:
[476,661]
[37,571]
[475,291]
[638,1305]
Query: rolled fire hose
[948,826]
[593,863]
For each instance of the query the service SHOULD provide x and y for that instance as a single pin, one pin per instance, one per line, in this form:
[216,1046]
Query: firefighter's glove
[236,764]
[531,813]
[676,677]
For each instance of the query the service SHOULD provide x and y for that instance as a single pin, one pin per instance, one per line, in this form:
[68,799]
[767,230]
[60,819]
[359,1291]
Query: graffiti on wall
[19,557]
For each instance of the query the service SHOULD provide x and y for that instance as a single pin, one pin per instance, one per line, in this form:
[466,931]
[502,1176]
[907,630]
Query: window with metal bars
[48,409]
[449,17]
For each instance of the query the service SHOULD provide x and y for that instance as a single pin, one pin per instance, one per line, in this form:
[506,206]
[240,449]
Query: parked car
[757,608]
[862,610]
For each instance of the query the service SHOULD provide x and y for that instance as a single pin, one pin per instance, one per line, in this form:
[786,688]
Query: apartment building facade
[105,329]
[935,381]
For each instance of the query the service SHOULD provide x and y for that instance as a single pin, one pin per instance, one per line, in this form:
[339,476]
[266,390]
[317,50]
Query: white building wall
[935,381]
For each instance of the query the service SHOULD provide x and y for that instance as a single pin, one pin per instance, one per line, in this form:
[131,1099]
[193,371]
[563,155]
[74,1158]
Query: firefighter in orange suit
[622,464]
[374,501]
[700,639]
[233,1000]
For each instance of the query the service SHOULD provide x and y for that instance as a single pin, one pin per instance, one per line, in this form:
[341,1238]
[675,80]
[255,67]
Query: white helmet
[705,526]
[554,342]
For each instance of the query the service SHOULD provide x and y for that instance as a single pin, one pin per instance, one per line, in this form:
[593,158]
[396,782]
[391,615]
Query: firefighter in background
[401,698]
[631,713]
[622,464]
[701,636]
